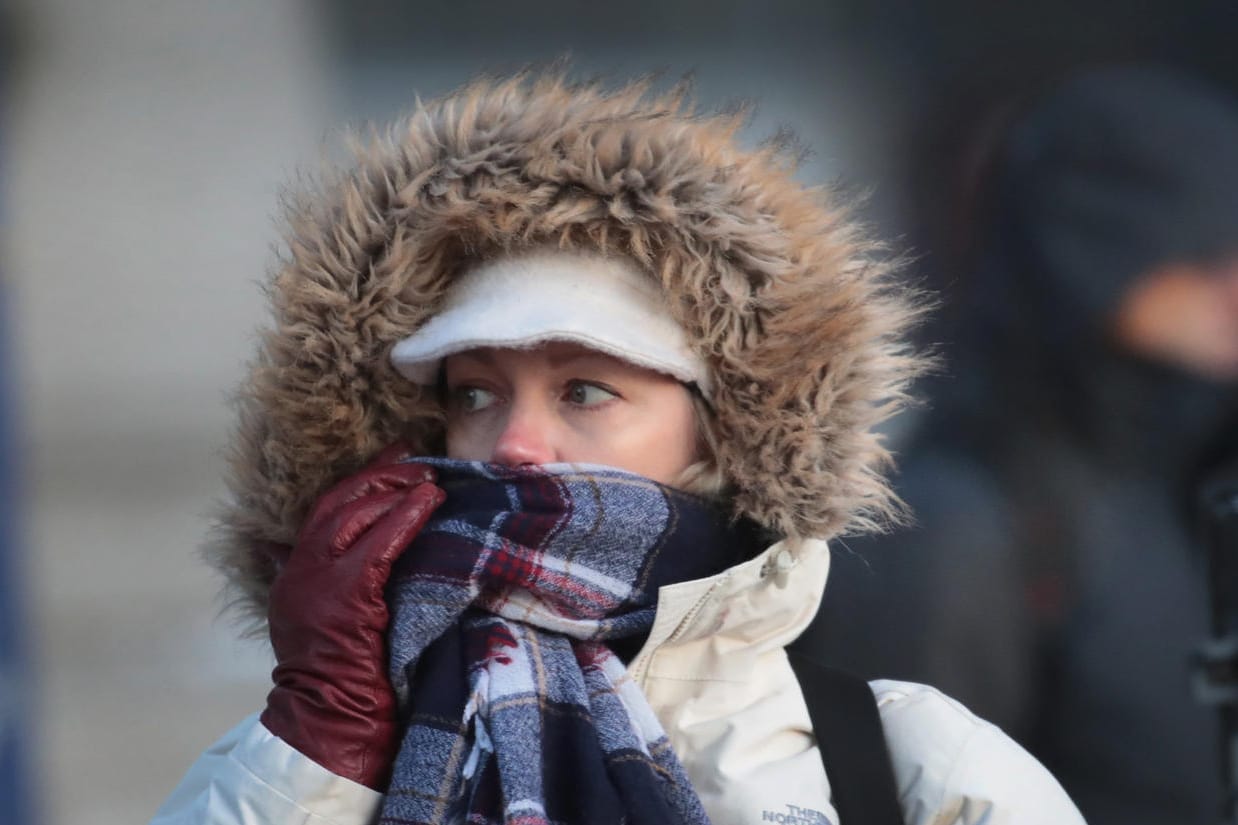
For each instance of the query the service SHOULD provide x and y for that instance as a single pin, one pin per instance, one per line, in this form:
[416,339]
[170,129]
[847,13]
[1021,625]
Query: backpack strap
[853,748]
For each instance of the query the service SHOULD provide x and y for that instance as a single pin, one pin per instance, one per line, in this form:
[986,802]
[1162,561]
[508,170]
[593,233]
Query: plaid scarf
[518,711]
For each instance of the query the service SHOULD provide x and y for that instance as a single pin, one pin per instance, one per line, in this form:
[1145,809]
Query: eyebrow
[482,355]
[571,355]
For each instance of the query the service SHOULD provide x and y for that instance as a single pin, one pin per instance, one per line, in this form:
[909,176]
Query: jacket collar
[759,604]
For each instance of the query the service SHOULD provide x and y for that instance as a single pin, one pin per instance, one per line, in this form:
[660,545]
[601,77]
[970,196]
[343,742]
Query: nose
[527,437]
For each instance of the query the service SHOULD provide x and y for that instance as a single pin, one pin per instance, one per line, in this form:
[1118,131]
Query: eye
[586,394]
[471,399]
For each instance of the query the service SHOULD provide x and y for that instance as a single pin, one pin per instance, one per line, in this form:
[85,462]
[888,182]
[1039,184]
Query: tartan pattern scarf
[517,710]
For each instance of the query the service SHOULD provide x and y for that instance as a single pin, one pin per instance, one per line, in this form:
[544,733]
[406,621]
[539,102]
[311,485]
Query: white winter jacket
[715,672]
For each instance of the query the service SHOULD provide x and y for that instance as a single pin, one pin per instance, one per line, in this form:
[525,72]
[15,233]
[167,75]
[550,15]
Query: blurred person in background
[1052,582]
[524,277]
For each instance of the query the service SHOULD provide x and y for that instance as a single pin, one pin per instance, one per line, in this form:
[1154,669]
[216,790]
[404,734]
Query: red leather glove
[328,619]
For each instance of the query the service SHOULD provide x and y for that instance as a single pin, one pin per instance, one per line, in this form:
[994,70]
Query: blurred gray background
[143,149]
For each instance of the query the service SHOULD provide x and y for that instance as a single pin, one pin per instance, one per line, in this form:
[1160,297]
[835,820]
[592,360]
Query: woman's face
[562,402]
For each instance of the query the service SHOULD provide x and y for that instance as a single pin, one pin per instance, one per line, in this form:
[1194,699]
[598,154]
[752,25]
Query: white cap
[604,303]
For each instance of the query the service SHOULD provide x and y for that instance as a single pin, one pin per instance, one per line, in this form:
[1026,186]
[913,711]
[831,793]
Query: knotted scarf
[502,609]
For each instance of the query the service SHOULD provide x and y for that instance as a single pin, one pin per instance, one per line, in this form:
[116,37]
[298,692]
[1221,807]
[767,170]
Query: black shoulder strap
[853,747]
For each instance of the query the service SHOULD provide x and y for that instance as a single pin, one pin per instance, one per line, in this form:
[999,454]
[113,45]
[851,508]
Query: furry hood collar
[786,299]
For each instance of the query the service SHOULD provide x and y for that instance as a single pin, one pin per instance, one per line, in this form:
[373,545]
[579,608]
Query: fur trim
[785,298]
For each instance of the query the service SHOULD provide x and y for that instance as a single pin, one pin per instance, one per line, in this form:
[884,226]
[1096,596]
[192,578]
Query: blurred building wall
[146,147]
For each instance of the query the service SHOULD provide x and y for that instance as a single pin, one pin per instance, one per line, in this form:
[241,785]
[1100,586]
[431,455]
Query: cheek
[467,443]
[679,435]
[454,445]
[658,440]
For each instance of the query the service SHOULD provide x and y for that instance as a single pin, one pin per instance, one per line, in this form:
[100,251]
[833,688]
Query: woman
[655,362]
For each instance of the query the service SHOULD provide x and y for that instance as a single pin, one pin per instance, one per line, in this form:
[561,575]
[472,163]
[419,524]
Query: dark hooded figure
[1052,581]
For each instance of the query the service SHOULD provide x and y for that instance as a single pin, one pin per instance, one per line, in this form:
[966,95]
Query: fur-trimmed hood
[785,298]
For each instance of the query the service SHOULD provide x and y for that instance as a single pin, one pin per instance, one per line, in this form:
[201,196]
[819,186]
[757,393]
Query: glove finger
[353,520]
[372,480]
[387,540]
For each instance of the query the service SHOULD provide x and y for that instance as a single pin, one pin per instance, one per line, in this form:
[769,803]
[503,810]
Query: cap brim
[600,303]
